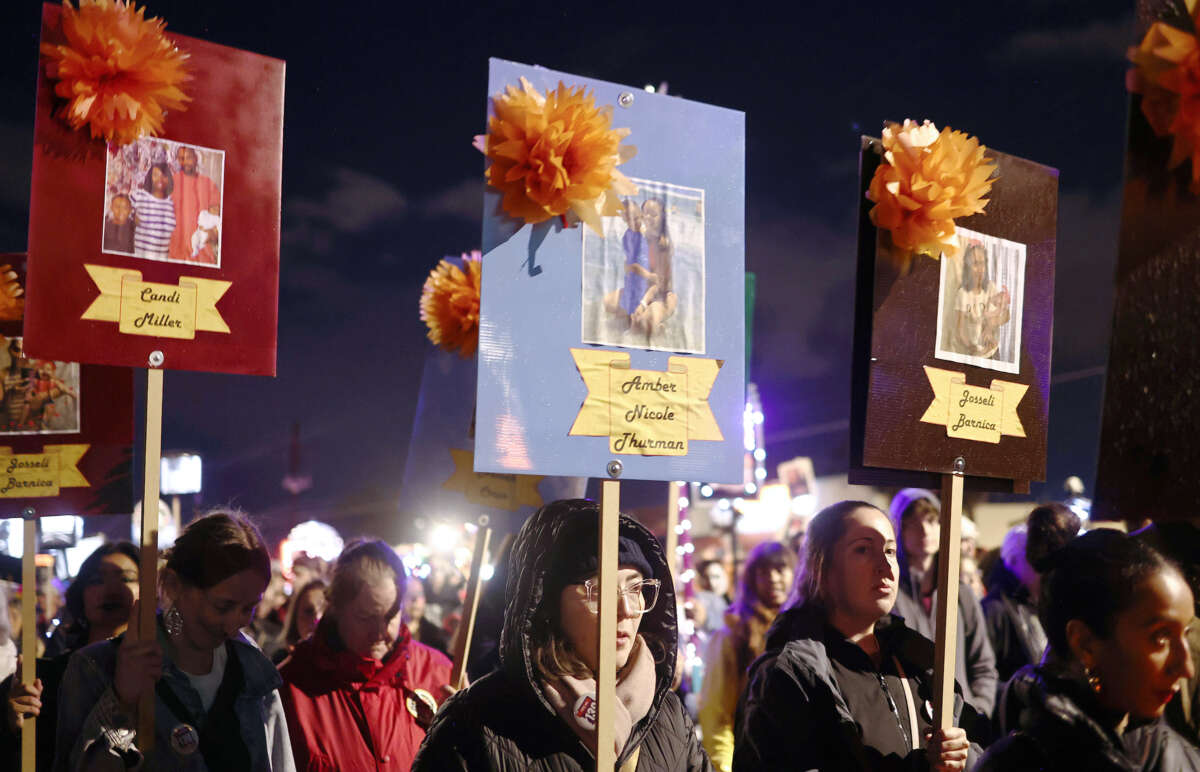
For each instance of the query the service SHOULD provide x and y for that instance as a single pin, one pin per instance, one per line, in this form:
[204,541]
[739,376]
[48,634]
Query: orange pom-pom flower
[555,154]
[117,71]
[1167,74]
[927,179]
[450,304]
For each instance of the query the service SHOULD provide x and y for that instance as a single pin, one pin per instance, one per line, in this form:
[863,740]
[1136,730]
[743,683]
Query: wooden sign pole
[148,623]
[458,676]
[606,678]
[29,633]
[946,635]
[672,524]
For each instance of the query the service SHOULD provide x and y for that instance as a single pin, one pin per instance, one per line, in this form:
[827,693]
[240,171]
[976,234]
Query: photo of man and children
[980,302]
[162,201]
[39,396]
[643,283]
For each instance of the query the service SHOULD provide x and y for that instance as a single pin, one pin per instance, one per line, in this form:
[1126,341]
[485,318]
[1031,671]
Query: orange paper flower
[555,154]
[118,72]
[1167,75]
[450,304]
[926,180]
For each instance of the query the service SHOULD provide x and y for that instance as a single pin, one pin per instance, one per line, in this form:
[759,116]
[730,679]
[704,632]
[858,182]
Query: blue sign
[627,344]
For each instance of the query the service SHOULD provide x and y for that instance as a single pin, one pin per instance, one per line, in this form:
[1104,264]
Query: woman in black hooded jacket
[1117,616]
[526,715]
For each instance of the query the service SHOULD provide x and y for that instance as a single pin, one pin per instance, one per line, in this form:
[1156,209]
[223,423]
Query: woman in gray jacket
[216,706]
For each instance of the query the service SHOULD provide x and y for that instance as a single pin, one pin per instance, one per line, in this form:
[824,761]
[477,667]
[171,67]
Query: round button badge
[185,740]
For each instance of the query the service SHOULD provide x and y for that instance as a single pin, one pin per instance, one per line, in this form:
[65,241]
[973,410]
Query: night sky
[380,181]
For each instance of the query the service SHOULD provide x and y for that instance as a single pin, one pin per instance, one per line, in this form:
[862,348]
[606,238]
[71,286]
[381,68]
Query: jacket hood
[320,663]
[530,562]
[1003,581]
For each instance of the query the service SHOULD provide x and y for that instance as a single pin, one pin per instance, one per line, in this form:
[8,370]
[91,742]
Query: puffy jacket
[505,722]
[795,716]
[345,711]
[1059,727]
[975,665]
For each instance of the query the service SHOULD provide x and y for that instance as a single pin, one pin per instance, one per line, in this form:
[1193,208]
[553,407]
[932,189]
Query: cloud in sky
[463,200]
[352,203]
[1100,40]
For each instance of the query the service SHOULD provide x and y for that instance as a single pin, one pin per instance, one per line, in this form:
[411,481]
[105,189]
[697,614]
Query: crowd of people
[1080,655]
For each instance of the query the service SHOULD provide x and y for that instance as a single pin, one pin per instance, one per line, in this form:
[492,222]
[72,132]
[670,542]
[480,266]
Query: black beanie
[577,555]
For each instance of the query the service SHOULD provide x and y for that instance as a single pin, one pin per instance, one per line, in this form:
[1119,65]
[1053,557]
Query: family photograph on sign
[39,396]
[162,201]
[643,282]
[980,299]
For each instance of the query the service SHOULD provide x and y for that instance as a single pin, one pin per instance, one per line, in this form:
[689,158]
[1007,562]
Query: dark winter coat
[1061,727]
[505,722]
[795,716]
[975,665]
[1012,624]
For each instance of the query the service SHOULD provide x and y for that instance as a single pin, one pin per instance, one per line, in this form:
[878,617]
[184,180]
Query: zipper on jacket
[895,711]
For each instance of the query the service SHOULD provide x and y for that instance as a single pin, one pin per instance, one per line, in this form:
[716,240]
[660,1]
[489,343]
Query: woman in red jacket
[359,692]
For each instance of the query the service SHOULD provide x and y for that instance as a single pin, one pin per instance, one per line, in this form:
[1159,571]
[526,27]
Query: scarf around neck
[574,699]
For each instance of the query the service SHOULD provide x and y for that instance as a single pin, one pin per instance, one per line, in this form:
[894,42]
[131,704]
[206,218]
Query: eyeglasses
[639,597]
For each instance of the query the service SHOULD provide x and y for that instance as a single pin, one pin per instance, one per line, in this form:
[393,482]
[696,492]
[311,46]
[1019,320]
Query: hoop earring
[1093,679]
[173,621]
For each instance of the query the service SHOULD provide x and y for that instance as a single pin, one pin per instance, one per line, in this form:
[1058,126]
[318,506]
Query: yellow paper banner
[153,309]
[976,413]
[41,475]
[509,492]
[646,412]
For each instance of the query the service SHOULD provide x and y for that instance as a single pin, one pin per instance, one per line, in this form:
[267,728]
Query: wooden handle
[458,676]
[606,678]
[29,637]
[946,635]
[147,624]
[672,523]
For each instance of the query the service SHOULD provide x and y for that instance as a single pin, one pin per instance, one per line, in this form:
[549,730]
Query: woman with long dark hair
[99,603]
[303,614]
[660,300]
[766,582]
[843,684]
[216,706]
[1117,615]
[154,213]
[537,712]
[980,306]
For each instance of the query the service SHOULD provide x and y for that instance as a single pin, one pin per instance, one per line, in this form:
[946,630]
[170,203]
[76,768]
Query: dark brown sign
[952,356]
[1148,443]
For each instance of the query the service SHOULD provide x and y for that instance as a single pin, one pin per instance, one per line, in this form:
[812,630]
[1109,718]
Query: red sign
[167,244]
[66,429]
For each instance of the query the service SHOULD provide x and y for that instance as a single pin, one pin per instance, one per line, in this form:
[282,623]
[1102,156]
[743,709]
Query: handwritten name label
[502,491]
[158,310]
[975,413]
[647,412]
[29,475]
